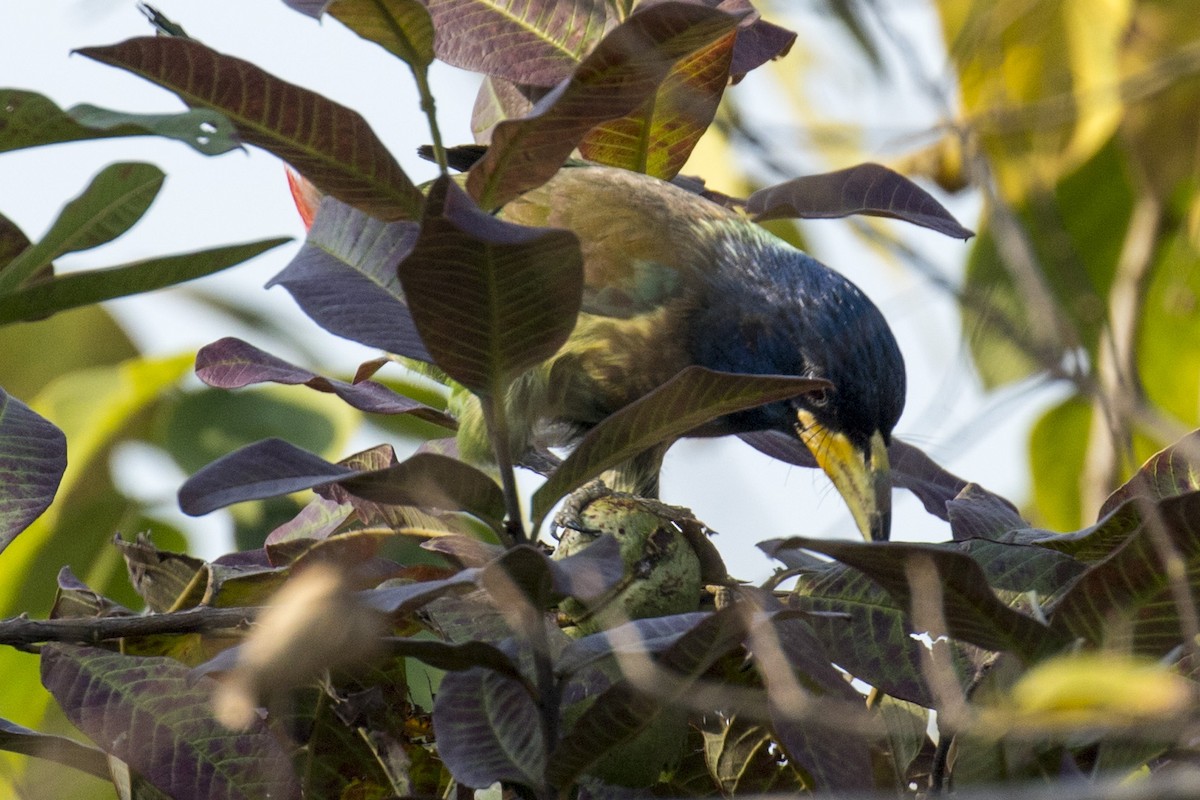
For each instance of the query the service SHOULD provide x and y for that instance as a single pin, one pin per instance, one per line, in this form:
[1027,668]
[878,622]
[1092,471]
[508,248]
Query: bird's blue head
[770,309]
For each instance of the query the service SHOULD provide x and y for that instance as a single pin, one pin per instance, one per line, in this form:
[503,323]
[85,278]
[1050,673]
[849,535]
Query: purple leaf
[152,715]
[33,457]
[264,469]
[344,278]
[489,729]
[232,363]
[870,189]
[536,43]
[431,481]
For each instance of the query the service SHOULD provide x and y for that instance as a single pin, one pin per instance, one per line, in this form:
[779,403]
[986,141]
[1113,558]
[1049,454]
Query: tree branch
[22,632]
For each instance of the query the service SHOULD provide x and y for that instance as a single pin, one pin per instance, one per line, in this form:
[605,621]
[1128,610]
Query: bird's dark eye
[818,398]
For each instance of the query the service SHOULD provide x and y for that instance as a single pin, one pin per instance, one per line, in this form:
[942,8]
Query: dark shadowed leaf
[1172,471]
[74,598]
[978,514]
[344,278]
[490,298]
[43,298]
[971,610]
[231,363]
[116,198]
[443,655]
[536,43]
[621,711]
[430,481]
[33,457]
[870,189]
[835,756]
[649,636]
[16,738]
[13,241]
[489,729]
[150,714]
[465,550]
[264,469]
[758,42]
[742,756]
[658,138]
[331,145]
[621,74]
[28,119]
[1127,597]
[849,603]
[686,402]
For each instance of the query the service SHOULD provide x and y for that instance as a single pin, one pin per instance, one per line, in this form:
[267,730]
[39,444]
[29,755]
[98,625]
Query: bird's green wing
[639,235]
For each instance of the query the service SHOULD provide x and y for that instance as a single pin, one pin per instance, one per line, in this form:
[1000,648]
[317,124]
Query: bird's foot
[570,516]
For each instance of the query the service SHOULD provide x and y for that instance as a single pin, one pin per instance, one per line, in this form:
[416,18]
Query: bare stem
[497,425]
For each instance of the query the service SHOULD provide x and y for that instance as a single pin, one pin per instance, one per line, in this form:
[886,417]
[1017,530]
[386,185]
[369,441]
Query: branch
[22,632]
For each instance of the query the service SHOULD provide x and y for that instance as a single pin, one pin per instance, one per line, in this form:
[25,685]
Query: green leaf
[116,198]
[28,119]
[151,714]
[402,27]
[1168,473]
[681,405]
[76,289]
[490,298]
[331,145]
[658,138]
[621,74]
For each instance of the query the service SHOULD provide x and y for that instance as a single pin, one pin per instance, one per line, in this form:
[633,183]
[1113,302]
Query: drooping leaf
[231,363]
[344,278]
[165,581]
[406,598]
[28,119]
[686,402]
[490,298]
[43,298]
[331,145]
[1128,596]
[658,138]
[624,70]
[489,729]
[116,198]
[265,469]
[33,458]
[971,611]
[150,714]
[870,189]
[68,752]
[536,43]
[431,481]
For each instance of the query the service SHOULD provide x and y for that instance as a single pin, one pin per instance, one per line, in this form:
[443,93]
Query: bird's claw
[570,516]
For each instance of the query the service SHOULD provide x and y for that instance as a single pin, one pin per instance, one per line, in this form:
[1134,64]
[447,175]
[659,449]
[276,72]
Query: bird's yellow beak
[860,476]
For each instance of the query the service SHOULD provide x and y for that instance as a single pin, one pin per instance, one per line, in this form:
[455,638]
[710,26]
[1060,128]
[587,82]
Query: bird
[673,279]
